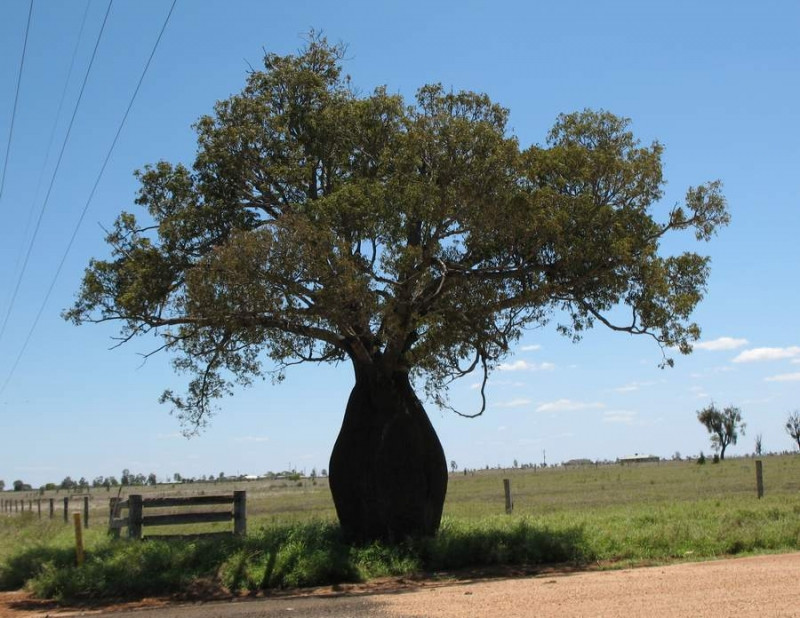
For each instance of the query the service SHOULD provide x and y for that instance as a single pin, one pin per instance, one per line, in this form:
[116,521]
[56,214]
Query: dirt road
[763,586]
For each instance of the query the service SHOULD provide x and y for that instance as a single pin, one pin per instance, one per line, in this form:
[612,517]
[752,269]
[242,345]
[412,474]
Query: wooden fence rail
[18,506]
[137,518]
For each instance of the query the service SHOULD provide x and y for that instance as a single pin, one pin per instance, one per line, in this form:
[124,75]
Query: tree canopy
[318,223]
[724,426]
[792,426]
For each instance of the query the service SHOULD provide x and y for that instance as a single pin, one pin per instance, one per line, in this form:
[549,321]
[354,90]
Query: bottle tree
[416,241]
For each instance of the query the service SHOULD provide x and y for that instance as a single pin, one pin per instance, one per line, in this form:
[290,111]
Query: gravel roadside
[760,586]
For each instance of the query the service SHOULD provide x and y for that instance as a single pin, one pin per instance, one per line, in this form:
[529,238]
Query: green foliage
[615,515]
[318,223]
[793,426]
[503,541]
[724,426]
[124,569]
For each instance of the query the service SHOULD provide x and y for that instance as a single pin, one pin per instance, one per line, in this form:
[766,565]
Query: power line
[53,178]
[16,99]
[53,129]
[88,201]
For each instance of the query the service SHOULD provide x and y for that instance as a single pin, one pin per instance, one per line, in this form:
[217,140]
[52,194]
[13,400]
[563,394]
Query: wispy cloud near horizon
[568,405]
[625,417]
[784,377]
[514,403]
[721,343]
[523,365]
[767,354]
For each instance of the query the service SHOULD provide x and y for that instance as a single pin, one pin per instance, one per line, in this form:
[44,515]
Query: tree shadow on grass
[287,559]
[512,543]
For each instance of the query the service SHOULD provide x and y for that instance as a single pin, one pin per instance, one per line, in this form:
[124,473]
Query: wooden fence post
[66,509]
[135,516]
[239,513]
[759,479]
[39,507]
[113,512]
[78,540]
[509,501]
[52,508]
[86,511]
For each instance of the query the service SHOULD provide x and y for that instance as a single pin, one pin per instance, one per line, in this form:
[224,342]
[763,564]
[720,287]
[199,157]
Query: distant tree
[83,483]
[417,241]
[68,483]
[453,465]
[676,456]
[793,426]
[758,445]
[702,459]
[178,478]
[723,425]
[98,481]
[125,479]
[112,480]
[151,479]
[18,485]
[2,485]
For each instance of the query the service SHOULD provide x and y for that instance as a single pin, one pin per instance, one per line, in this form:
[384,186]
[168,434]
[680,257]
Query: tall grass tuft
[610,514]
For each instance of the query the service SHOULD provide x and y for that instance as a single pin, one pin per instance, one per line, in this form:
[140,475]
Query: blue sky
[717,83]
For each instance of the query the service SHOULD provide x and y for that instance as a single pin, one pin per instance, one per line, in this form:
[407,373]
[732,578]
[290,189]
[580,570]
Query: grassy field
[607,515]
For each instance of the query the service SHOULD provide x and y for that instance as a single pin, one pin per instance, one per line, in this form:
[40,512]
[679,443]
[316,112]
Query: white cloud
[767,354]
[626,417]
[785,377]
[514,383]
[633,386]
[699,392]
[722,343]
[522,365]
[568,405]
[514,403]
[531,348]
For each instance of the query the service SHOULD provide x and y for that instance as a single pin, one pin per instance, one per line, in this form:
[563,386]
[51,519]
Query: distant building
[579,462]
[637,458]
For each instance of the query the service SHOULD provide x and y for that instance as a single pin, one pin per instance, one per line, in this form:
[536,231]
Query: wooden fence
[137,519]
[18,506]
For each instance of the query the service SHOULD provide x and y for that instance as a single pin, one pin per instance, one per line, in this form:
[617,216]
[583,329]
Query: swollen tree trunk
[388,473]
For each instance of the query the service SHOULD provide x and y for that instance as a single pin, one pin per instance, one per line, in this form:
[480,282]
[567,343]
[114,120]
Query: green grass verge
[607,515]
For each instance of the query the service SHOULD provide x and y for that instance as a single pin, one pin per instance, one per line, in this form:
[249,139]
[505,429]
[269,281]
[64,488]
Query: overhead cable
[53,178]
[16,99]
[53,131]
[88,202]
